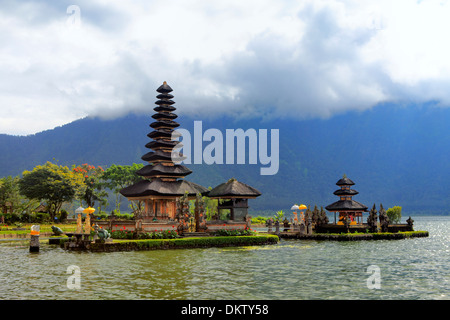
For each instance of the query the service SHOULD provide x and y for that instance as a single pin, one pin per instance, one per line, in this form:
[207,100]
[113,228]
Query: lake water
[411,269]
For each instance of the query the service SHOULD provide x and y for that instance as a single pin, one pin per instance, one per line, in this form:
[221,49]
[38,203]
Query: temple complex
[162,182]
[166,194]
[346,206]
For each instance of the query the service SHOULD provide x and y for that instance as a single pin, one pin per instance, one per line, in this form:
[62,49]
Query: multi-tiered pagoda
[346,206]
[162,182]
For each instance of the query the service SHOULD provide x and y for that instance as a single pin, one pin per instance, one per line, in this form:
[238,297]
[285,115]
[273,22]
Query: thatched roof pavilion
[237,194]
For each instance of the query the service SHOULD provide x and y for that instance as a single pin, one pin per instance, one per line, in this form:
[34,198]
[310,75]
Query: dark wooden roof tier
[163,133]
[165,102]
[234,188]
[160,155]
[164,88]
[164,108]
[164,124]
[163,144]
[164,116]
[158,187]
[346,205]
[345,182]
[162,170]
[164,96]
[345,192]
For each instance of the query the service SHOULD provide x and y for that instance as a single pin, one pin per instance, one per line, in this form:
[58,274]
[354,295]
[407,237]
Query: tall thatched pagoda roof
[158,187]
[161,177]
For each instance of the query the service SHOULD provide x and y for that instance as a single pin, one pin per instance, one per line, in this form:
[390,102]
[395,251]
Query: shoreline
[167,244]
[354,236]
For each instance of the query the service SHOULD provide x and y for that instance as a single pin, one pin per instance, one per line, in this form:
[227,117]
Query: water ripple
[409,269]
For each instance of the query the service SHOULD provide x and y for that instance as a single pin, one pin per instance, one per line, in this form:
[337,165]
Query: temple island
[163,194]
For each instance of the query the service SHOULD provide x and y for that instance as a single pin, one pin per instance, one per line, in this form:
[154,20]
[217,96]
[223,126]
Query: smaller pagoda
[346,206]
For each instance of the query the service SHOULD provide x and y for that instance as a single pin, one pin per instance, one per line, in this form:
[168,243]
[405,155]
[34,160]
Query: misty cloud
[247,58]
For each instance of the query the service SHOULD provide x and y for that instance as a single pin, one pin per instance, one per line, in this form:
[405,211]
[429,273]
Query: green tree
[279,216]
[394,214]
[118,177]
[94,186]
[53,184]
[10,198]
[210,206]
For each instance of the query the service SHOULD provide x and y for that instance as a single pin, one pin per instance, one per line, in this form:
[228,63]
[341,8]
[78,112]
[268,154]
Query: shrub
[41,217]
[11,217]
[26,217]
[124,216]
[394,214]
[63,215]
[234,232]
[101,216]
[259,220]
[125,234]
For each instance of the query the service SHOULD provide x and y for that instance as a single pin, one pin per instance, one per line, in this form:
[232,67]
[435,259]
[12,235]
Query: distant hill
[395,155]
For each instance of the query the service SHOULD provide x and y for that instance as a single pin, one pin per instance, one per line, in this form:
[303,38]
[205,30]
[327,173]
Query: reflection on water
[410,269]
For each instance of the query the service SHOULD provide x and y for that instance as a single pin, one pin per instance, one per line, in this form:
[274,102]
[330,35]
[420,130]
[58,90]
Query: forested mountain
[395,155]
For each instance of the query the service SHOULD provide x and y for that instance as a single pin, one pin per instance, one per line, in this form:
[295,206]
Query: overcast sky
[261,58]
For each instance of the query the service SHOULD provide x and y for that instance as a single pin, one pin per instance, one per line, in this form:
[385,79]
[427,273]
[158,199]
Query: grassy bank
[12,229]
[10,232]
[364,236]
[179,243]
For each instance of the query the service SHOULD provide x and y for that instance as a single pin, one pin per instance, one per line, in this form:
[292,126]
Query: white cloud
[258,58]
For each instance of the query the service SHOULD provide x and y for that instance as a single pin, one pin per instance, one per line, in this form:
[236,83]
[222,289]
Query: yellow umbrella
[89,210]
[302,207]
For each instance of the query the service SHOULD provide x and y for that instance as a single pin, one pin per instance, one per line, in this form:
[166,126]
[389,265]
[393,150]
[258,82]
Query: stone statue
[346,222]
[87,224]
[309,224]
[269,223]
[277,227]
[201,226]
[103,234]
[384,219]
[79,225]
[323,219]
[200,214]
[286,224]
[372,219]
[183,213]
[57,231]
[410,223]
